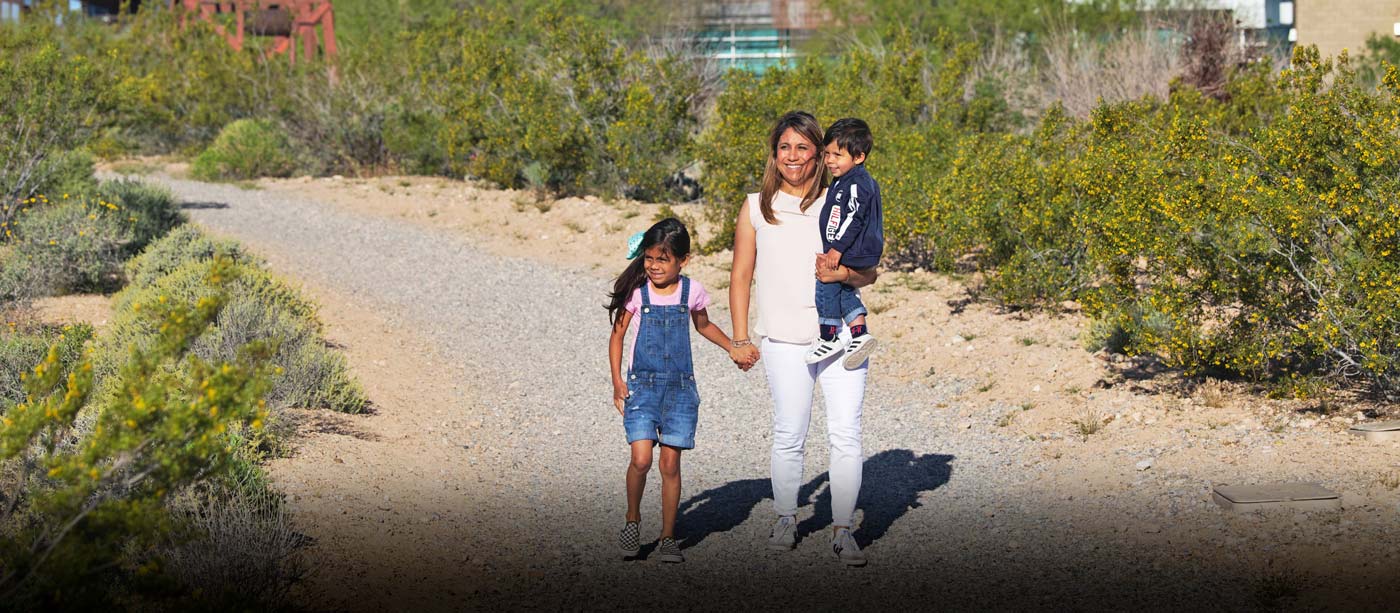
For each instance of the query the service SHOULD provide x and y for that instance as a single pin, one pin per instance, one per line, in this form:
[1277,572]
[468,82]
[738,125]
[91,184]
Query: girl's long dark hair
[671,234]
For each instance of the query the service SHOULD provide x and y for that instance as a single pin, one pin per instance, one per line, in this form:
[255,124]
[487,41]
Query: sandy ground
[1029,372]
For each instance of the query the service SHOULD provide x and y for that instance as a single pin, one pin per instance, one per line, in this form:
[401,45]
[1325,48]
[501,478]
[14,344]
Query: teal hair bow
[634,245]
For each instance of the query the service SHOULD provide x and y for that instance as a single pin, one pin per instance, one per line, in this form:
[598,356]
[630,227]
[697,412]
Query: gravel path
[949,519]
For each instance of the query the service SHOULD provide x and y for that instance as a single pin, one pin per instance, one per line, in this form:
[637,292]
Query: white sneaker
[845,548]
[784,535]
[858,351]
[825,349]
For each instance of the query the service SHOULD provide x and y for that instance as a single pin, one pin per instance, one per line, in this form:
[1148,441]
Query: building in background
[1263,23]
[752,34]
[1334,25]
[10,10]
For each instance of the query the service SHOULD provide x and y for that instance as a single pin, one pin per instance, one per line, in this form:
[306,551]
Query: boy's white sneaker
[858,351]
[784,534]
[825,349]
[845,548]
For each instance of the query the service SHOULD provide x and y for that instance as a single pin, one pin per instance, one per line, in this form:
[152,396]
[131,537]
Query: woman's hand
[620,394]
[829,274]
[744,356]
[843,274]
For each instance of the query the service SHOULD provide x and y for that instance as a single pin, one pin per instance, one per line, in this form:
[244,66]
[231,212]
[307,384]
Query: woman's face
[797,158]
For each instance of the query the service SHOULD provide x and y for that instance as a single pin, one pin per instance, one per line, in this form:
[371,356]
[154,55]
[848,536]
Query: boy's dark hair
[850,134]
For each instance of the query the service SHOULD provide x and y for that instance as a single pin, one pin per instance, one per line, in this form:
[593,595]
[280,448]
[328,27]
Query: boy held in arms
[853,235]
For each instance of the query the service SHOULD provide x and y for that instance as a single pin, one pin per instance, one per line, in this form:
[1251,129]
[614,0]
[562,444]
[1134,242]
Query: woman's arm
[854,277]
[740,284]
[619,331]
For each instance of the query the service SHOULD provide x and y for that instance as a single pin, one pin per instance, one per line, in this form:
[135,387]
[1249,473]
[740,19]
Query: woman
[776,244]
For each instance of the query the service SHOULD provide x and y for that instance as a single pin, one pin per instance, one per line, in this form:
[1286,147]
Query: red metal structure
[288,22]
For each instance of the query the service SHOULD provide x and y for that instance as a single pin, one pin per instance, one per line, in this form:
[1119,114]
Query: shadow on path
[891,483]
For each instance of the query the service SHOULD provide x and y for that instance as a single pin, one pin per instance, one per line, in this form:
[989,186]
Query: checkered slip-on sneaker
[630,538]
[669,551]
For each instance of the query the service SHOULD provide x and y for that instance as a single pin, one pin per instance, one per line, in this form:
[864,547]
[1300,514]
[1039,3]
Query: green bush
[261,307]
[163,427]
[181,245]
[150,209]
[64,247]
[311,376]
[181,85]
[21,350]
[78,243]
[245,149]
[553,93]
[67,172]
[51,98]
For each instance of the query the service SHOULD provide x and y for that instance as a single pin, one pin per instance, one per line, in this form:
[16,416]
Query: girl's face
[661,266]
[797,158]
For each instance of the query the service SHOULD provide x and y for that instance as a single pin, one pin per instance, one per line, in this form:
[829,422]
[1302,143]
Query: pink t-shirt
[699,299]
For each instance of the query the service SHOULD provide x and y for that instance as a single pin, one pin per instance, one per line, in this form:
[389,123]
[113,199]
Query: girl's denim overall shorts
[662,404]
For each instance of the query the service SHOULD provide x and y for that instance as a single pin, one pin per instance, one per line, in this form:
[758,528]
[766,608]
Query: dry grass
[1089,422]
[237,546]
[1212,393]
[1082,74]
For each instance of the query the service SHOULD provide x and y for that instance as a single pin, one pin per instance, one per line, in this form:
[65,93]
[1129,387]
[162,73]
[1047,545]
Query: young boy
[853,235]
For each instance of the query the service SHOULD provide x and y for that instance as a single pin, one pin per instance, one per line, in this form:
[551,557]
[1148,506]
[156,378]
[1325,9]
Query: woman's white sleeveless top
[785,285]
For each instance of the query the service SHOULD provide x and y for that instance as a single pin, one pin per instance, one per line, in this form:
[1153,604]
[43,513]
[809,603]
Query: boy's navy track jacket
[851,220]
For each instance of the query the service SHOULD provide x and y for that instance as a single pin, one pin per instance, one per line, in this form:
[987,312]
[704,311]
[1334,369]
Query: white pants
[792,382]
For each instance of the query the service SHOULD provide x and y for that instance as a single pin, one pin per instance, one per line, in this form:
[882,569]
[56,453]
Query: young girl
[657,399]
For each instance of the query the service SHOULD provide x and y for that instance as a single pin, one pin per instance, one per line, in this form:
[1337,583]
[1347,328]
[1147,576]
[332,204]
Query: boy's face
[839,161]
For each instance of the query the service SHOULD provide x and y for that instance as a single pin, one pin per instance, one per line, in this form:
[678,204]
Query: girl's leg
[791,382]
[637,470]
[844,391]
[670,489]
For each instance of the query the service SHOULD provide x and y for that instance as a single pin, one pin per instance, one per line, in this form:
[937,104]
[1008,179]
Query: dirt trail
[489,472]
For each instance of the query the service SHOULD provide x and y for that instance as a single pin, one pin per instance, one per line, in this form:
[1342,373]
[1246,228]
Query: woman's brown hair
[805,125]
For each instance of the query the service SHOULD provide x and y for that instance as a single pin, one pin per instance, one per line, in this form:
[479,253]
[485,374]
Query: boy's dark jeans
[837,303]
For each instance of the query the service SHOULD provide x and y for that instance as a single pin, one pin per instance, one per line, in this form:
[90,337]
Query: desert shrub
[233,546]
[129,327]
[67,172]
[21,350]
[65,246]
[78,243]
[312,375]
[164,106]
[150,209]
[85,511]
[245,149]
[181,245]
[549,92]
[52,96]
[340,126]
[1223,234]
